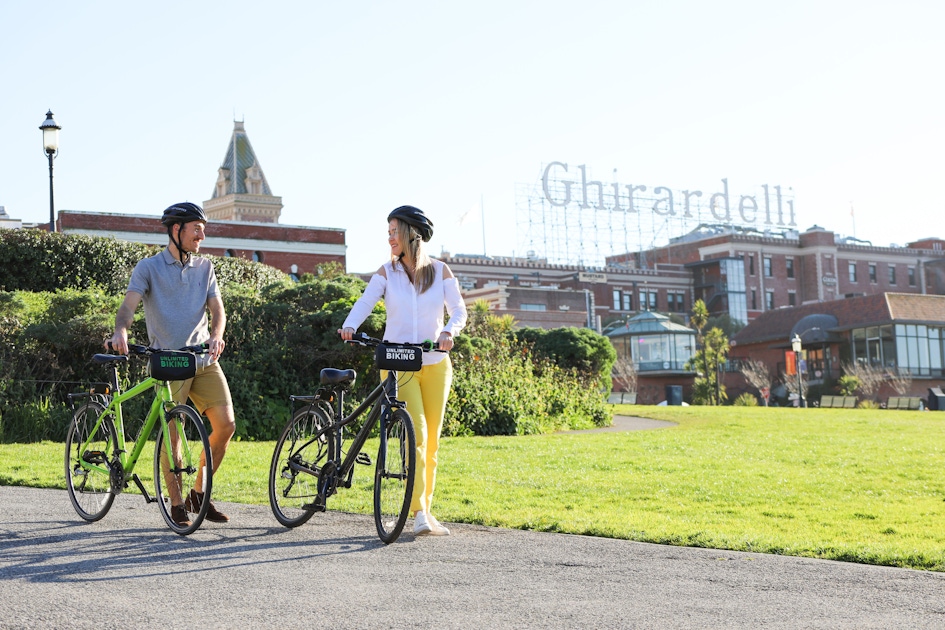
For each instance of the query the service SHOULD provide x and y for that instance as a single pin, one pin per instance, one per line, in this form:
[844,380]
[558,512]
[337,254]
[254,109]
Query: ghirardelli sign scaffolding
[569,218]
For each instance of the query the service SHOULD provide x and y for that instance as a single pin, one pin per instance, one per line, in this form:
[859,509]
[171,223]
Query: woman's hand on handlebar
[445,341]
[346,333]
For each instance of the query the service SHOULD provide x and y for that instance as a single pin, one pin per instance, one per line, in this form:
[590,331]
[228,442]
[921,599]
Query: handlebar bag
[399,357]
[173,365]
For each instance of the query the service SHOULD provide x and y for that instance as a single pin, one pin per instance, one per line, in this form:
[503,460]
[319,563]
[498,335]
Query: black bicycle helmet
[415,218]
[183,212]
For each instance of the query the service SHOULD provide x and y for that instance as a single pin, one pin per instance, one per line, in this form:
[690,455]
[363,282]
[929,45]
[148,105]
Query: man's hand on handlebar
[346,333]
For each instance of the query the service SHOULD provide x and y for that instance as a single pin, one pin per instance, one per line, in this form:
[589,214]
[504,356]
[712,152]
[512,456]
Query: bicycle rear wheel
[393,476]
[88,448]
[304,447]
[182,462]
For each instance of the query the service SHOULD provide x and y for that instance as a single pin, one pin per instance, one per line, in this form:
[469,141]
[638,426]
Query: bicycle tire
[193,460]
[90,490]
[305,446]
[394,475]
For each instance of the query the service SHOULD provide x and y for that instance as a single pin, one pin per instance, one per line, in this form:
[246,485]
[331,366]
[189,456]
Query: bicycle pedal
[363,458]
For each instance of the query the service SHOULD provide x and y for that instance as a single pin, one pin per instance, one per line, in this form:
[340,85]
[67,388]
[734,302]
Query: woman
[415,289]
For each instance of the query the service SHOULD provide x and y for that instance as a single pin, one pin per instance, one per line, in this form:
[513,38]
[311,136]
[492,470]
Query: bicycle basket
[171,365]
[399,357]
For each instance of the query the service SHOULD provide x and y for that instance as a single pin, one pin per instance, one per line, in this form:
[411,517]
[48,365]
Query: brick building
[900,332]
[244,220]
[291,248]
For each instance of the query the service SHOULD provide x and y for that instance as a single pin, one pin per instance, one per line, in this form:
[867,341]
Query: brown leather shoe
[179,515]
[195,500]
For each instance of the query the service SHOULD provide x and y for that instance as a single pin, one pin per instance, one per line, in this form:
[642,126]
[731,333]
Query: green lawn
[856,485]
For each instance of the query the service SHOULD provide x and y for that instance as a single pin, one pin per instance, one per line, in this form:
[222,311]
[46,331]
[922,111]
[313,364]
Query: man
[178,288]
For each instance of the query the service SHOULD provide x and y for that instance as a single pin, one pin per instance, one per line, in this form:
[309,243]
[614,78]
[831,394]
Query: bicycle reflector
[399,357]
[171,365]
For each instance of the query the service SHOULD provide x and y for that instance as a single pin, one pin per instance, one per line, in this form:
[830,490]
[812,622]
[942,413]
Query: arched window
[229,254]
[257,257]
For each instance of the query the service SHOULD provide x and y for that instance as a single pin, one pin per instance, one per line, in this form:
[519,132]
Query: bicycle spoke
[393,476]
[301,452]
[183,467]
[91,436]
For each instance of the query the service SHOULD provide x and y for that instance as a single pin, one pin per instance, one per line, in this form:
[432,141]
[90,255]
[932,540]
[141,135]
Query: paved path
[630,423]
[128,570]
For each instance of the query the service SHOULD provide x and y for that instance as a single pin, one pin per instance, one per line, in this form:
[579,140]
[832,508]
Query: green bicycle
[99,465]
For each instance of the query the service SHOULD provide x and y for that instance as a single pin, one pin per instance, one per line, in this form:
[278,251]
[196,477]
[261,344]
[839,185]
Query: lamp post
[796,346]
[51,147]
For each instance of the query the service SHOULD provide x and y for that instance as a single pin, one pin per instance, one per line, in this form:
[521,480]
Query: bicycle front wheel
[304,447]
[393,476]
[90,441]
[183,465]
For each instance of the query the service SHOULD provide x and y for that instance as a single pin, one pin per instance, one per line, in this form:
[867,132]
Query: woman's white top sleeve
[373,292]
[412,317]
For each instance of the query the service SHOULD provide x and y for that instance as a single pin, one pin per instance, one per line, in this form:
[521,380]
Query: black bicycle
[311,459]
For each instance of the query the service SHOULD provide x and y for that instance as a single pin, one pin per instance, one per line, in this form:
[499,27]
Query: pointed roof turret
[242,192]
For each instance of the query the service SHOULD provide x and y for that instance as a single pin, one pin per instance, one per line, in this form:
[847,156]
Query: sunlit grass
[856,485]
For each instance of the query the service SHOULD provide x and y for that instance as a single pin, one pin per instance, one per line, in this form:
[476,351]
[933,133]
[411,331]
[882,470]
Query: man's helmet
[183,212]
[415,218]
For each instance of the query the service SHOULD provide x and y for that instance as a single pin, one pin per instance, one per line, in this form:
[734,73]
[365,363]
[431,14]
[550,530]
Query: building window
[257,257]
[751,264]
[851,268]
[911,276]
[872,272]
[919,349]
[623,301]
[892,274]
[767,265]
[229,254]
[674,303]
[532,307]
[792,298]
[769,300]
[754,300]
[651,300]
[789,263]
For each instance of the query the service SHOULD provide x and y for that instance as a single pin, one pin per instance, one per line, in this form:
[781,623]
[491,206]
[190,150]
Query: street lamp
[796,346]
[51,147]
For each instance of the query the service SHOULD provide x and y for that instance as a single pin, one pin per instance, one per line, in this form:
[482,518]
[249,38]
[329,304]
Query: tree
[625,373]
[870,377]
[757,375]
[708,359]
[900,381]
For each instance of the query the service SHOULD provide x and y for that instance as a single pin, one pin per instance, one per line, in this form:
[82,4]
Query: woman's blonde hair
[411,244]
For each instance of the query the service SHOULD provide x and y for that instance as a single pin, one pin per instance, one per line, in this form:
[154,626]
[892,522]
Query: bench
[838,402]
[912,403]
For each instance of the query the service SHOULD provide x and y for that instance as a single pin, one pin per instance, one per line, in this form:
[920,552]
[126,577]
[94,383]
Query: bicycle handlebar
[133,348]
[367,341]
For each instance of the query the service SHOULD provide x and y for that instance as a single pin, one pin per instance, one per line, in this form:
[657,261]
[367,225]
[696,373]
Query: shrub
[279,336]
[746,400]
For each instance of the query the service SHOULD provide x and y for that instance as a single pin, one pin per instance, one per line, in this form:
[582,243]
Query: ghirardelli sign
[562,186]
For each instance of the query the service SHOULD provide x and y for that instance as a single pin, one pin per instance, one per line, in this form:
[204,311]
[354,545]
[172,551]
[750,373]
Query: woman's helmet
[415,218]
[183,212]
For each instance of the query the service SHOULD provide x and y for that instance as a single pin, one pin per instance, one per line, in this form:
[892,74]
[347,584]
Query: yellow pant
[425,393]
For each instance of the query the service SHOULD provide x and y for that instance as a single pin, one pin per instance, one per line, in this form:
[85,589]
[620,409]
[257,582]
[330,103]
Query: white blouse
[412,317]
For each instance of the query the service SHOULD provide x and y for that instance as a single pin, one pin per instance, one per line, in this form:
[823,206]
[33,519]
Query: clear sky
[354,108]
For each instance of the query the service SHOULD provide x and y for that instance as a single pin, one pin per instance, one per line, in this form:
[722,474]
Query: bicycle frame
[383,396]
[163,400]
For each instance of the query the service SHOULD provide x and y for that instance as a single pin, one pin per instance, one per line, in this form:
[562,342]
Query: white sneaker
[421,526]
[438,529]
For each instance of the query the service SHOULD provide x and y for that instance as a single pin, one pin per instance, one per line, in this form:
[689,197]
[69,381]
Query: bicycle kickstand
[147,497]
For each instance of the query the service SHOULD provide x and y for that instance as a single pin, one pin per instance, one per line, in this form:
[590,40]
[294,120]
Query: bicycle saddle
[331,376]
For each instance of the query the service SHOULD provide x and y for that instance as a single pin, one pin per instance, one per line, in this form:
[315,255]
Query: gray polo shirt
[175,299]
